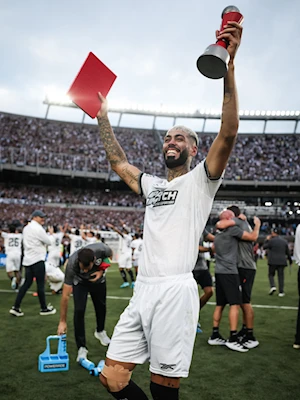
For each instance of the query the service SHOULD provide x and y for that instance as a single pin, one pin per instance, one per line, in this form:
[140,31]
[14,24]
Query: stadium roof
[202,113]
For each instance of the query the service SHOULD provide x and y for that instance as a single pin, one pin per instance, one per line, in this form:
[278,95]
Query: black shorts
[228,289]
[246,279]
[203,278]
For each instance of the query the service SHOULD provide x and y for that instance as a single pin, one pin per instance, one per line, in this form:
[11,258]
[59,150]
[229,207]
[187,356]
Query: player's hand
[109,225]
[62,328]
[96,276]
[232,33]
[104,108]
[256,221]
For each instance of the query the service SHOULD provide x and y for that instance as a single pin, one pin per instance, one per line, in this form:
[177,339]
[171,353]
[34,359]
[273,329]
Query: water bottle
[97,371]
[87,364]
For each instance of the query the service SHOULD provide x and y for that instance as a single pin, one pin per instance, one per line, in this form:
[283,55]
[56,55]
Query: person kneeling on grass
[85,273]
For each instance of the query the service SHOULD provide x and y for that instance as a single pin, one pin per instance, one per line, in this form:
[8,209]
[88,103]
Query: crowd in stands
[72,146]
[74,217]
[21,194]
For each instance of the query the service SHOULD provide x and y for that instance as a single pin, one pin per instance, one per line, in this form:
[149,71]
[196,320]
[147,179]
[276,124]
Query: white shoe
[17,312]
[250,343]
[102,336]
[217,341]
[48,311]
[272,290]
[237,346]
[82,353]
[281,294]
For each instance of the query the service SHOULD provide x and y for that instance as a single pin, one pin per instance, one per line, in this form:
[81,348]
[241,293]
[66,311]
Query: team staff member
[247,270]
[228,290]
[160,322]
[278,253]
[35,240]
[85,273]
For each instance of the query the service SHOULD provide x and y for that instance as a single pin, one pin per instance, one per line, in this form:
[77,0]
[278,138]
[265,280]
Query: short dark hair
[86,256]
[77,232]
[235,209]
[12,228]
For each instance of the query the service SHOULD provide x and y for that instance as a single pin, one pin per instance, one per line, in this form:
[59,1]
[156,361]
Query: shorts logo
[161,198]
[166,366]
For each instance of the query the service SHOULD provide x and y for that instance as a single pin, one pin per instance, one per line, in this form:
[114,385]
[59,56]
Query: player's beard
[172,162]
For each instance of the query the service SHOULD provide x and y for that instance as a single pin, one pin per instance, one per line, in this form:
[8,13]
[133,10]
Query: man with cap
[35,240]
[277,253]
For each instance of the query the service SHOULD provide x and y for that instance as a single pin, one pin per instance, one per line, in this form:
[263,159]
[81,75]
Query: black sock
[233,336]
[215,331]
[130,274]
[160,392]
[250,333]
[130,392]
[123,275]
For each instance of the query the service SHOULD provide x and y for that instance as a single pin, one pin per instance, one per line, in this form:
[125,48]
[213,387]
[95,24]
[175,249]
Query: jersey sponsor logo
[98,261]
[164,367]
[161,198]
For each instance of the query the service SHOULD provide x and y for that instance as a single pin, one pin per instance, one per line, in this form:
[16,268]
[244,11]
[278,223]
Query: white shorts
[135,262]
[159,325]
[13,262]
[54,274]
[125,261]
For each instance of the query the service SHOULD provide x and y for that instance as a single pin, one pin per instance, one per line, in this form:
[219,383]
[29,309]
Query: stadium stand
[28,141]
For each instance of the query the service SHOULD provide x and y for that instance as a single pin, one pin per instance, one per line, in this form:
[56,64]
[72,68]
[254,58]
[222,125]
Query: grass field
[270,371]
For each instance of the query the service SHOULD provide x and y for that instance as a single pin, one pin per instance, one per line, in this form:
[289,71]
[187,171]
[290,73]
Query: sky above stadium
[152,46]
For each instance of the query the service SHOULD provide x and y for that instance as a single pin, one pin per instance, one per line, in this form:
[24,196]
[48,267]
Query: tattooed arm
[114,152]
[220,150]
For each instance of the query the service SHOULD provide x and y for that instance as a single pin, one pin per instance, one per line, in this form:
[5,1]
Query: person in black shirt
[278,253]
[85,273]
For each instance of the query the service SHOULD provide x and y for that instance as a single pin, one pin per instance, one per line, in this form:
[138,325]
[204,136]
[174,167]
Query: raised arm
[225,223]
[252,236]
[114,152]
[111,226]
[220,150]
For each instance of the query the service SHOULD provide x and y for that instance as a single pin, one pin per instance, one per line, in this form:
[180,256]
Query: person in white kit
[160,321]
[54,274]
[137,246]
[125,258]
[13,251]
[76,241]
[35,240]
[54,250]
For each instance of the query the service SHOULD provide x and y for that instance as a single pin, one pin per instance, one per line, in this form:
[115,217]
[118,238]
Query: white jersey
[175,217]
[12,243]
[137,245]
[90,240]
[125,245]
[76,243]
[55,247]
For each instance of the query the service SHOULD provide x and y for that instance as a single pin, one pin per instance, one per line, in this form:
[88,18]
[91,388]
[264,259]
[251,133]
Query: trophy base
[213,63]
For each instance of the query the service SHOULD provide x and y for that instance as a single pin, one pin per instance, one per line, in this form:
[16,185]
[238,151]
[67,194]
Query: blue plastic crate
[55,362]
